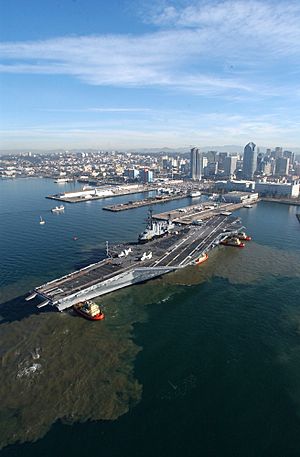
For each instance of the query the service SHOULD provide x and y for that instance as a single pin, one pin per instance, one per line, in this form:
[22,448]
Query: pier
[194,214]
[283,201]
[145,202]
[97,193]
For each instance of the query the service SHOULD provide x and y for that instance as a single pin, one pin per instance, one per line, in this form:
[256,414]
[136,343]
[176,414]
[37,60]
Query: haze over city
[77,74]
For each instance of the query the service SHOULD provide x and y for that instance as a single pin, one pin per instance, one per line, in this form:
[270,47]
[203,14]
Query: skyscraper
[196,168]
[249,161]
[282,166]
[230,165]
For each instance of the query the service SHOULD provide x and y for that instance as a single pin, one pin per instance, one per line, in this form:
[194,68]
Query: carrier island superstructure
[134,263]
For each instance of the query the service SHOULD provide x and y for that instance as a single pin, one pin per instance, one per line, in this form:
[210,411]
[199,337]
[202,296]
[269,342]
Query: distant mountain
[231,148]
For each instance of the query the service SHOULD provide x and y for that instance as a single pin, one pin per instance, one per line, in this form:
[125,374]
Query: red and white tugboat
[202,258]
[89,310]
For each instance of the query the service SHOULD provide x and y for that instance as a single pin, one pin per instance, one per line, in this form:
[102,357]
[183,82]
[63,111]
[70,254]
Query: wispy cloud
[206,48]
[174,129]
[97,110]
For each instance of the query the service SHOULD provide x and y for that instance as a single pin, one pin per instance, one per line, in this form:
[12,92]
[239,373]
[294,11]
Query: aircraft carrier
[136,262]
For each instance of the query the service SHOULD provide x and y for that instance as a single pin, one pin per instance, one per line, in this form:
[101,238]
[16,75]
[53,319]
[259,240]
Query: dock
[145,202]
[194,214]
[283,201]
[97,193]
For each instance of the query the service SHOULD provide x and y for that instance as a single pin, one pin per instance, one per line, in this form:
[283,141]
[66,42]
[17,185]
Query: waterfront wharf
[194,214]
[283,201]
[145,202]
[90,194]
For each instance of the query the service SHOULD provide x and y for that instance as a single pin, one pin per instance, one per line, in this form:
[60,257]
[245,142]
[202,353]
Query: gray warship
[127,264]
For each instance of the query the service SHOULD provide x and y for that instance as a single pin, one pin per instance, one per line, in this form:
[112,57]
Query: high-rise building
[282,166]
[249,161]
[289,155]
[211,169]
[230,165]
[196,166]
[221,159]
[146,175]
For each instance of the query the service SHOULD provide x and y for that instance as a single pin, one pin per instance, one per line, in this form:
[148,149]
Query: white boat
[247,206]
[42,222]
[195,193]
[58,209]
[61,180]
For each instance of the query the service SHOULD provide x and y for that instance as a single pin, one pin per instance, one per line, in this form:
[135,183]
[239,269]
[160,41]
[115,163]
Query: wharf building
[240,197]
[279,189]
[196,166]
[249,161]
[264,188]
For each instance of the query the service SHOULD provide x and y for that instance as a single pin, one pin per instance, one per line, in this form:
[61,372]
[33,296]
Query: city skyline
[76,75]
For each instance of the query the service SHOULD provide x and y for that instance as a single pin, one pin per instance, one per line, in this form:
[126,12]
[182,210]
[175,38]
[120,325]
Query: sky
[123,74]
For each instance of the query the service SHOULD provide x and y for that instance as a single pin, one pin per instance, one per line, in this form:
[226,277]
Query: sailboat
[42,222]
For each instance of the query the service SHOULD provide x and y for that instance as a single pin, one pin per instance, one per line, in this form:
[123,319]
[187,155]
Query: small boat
[61,180]
[58,209]
[42,222]
[31,296]
[44,303]
[247,206]
[201,259]
[89,310]
[243,236]
[195,193]
[298,216]
[233,241]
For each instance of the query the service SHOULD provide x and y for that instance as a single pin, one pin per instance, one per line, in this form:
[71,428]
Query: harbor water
[205,361]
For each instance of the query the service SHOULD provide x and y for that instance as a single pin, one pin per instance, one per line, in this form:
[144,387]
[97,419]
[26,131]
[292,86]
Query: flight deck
[128,264]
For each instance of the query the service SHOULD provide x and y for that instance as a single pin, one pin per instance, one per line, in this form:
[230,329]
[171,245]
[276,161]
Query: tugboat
[155,229]
[89,310]
[243,236]
[201,259]
[233,241]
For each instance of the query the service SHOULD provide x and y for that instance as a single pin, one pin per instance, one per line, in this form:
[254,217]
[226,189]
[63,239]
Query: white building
[242,185]
[290,190]
[240,197]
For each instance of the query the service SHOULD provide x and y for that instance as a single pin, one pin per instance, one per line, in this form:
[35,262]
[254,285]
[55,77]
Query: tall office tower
[282,166]
[249,161]
[211,156]
[260,160]
[289,155]
[204,162]
[276,153]
[196,169]
[211,169]
[230,165]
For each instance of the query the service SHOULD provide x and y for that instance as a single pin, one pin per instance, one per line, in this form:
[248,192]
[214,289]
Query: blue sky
[130,74]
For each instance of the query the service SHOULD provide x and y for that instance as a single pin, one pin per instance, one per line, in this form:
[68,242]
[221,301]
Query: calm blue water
[219,360]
